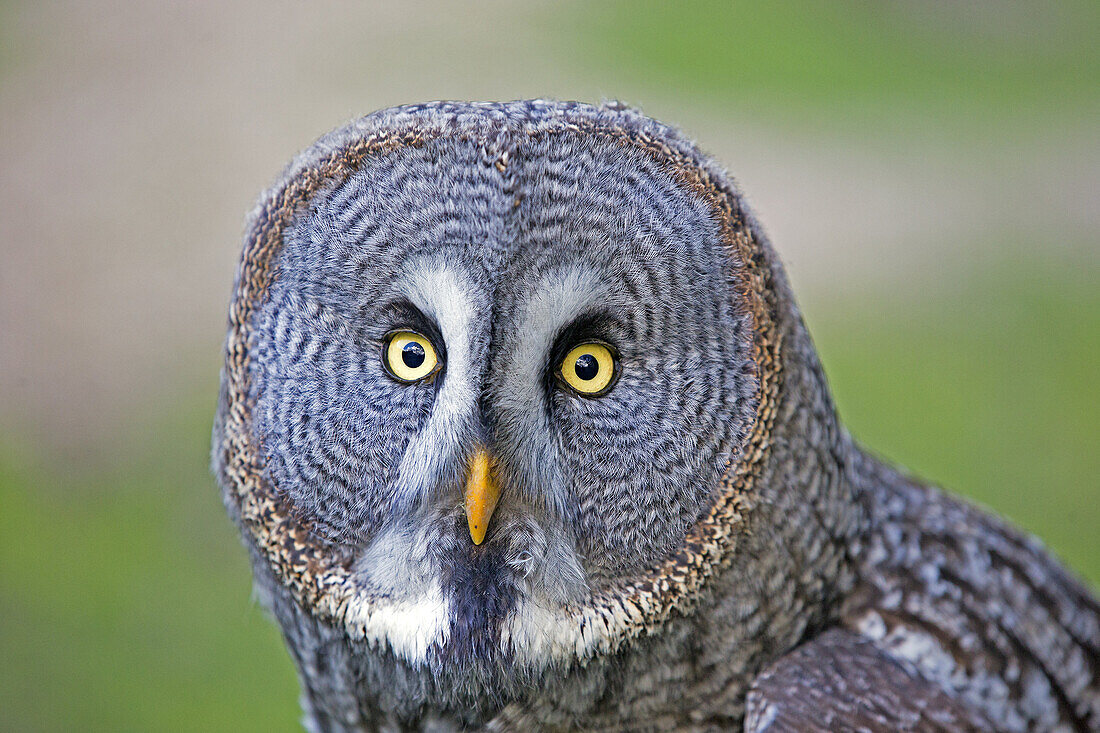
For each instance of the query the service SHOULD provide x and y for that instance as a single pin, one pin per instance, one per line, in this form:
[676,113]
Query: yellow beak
[482,493]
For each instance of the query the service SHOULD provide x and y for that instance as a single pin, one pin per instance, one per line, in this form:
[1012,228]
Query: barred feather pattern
[977,606]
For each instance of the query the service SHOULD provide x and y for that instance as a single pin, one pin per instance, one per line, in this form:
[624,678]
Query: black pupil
[412,354]
[587,367]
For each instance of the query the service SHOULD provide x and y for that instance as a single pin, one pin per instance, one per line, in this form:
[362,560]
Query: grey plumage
[654,548]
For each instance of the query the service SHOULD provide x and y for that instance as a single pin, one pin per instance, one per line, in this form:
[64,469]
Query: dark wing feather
[840,681]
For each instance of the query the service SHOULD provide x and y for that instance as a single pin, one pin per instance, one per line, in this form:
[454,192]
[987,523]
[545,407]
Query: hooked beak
[482,493]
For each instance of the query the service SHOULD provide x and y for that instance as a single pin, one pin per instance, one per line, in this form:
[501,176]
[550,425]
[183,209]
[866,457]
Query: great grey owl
[522,428]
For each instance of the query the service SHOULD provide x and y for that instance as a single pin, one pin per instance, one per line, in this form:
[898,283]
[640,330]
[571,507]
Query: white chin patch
[536,635]
[404,607]
[408,627]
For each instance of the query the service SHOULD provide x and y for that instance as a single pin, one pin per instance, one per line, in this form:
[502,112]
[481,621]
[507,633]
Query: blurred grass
[970,63]
[125,595]
[984,383]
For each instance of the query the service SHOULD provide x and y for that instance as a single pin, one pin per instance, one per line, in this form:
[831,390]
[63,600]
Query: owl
[522,429]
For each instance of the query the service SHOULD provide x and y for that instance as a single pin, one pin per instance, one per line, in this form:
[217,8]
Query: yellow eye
[409,357]
[589,369]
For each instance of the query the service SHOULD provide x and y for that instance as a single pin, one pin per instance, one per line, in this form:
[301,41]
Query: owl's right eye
[409,356]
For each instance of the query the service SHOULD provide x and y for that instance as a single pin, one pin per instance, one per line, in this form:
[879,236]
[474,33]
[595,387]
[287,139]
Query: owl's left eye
[589,369]
[409,356]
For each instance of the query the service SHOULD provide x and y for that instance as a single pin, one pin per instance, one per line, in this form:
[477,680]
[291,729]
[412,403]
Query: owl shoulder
[841,680]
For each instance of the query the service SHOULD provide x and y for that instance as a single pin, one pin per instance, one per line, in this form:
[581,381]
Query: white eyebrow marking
[559,297]
[443,293]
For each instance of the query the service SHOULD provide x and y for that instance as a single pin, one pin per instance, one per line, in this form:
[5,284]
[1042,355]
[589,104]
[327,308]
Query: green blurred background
[928,170]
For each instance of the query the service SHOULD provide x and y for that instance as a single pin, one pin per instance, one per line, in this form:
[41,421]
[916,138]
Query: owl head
[501,381]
